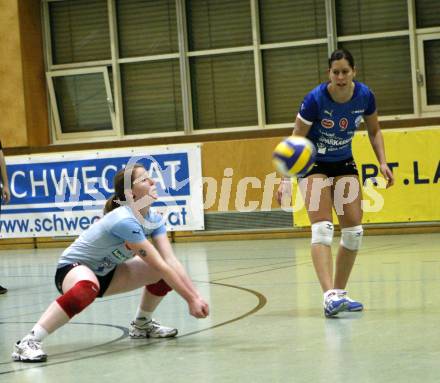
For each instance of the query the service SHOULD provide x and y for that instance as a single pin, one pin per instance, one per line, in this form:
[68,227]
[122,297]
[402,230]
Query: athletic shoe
[3,290]
[334,304]
[151,329]
[28,350]
[353,305]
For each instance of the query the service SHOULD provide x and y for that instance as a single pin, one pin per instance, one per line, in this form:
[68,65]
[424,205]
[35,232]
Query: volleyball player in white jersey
[329,116]
[114,256]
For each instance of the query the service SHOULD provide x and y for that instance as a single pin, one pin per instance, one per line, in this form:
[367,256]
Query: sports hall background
[249,61]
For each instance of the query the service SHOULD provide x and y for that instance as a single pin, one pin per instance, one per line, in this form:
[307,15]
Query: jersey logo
[329,113]
[118,254]
[343,123]
[357,111]
[136,231]
[327,124]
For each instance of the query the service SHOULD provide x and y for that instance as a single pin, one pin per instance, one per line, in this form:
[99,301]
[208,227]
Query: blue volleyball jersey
[334,124]
[102,246]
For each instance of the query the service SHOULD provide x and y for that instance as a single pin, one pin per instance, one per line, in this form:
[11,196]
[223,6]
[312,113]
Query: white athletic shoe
[353,305]
[151,329]
[28,350]
[334,303]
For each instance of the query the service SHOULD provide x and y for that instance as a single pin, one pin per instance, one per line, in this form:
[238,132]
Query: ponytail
[111,204]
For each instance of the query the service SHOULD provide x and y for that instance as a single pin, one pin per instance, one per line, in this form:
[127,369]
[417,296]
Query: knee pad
[351,237]
[159,289]
[78,297]
[322,233]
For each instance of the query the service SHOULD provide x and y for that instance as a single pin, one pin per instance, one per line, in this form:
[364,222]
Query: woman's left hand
[388,174]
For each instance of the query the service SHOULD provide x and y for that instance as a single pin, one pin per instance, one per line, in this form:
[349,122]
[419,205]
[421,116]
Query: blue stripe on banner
[170,203]
[58,209]
[38,183]
[55,209]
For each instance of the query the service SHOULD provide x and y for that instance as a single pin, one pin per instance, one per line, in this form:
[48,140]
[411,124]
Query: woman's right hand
[6,195]
[284,191]
[198,308]
[387,173]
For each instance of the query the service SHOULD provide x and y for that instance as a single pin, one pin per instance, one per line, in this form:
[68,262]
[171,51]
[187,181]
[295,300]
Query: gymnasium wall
[12,103]
[246,158]
[23,104]
[24,123]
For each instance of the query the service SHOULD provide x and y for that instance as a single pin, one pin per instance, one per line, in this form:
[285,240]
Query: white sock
[329,292]
[38,333]
[143,316]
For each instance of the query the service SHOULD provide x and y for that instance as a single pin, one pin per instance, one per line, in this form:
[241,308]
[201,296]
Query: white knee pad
[351,237]
[322,233]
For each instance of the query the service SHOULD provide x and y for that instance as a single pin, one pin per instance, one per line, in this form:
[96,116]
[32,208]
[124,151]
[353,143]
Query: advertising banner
[62,194]
[414,157]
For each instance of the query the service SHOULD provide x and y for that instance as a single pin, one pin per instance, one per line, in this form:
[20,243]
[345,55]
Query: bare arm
[301,129]
[6,194]
[164,247]
[151,256]
[376,140]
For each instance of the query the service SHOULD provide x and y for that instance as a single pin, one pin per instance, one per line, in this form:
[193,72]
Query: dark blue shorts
[61,273]
[334,169]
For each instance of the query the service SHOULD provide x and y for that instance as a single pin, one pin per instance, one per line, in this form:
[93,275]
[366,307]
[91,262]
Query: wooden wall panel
[34,82]
[246,158]
[13,130]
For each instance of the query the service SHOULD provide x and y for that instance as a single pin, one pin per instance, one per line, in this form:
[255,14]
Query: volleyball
[294,156]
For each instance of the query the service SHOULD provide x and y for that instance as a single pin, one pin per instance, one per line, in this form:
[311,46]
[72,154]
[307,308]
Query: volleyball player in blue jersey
[329,116]
[102,262]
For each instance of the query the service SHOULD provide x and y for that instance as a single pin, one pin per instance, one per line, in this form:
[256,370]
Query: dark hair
[118,184]
[340,54]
